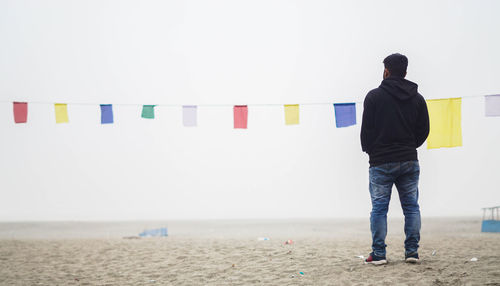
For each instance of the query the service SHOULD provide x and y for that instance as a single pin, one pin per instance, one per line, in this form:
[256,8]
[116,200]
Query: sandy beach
[229,253]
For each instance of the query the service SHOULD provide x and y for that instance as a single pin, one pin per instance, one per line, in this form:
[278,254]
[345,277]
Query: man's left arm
[367,124]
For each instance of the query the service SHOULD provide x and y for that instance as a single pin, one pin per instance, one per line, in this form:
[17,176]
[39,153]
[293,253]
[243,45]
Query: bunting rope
[209,105]
[172,105]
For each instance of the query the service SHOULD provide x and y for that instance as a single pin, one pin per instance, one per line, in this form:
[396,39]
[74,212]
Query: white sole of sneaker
[412,260]
[379,262]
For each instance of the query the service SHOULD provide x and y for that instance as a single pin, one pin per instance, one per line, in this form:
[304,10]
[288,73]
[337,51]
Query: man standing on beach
[395,124]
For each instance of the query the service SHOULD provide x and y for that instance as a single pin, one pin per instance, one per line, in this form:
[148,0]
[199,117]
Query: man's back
[395,122]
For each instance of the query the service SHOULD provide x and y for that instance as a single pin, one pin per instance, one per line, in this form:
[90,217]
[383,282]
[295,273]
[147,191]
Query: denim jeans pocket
[413,166]
[380,176]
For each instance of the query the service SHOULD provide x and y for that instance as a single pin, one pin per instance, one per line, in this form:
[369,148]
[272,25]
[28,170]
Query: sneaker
[412,258]
[375,260]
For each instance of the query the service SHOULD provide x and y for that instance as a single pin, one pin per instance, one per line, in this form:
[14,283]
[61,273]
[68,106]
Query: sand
[228,253]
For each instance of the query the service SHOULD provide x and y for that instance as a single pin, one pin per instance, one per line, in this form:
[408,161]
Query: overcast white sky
[232,52]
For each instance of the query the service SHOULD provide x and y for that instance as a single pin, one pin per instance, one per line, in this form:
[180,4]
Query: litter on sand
[262,238]
[360,256]
[289,241]
[434,252]
[473,259]
[154,232]
[301,273]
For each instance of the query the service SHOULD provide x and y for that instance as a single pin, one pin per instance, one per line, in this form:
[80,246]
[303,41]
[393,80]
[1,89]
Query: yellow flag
[446,123]
[291,114]
[61,112]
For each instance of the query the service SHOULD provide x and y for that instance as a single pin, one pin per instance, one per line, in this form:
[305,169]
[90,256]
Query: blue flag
[106,113]
[345,114]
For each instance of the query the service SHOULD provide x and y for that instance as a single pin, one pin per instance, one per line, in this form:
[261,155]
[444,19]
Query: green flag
[148,111]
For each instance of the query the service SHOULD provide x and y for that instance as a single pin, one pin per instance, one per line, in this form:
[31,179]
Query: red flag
[240,116]
[20,112]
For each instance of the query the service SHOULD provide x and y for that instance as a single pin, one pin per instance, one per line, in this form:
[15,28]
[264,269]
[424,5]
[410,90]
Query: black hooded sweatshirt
[395,122]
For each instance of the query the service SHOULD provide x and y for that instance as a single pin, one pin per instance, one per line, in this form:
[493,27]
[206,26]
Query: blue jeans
[405,176]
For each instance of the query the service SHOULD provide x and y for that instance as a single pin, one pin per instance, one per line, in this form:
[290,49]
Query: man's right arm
[422,130]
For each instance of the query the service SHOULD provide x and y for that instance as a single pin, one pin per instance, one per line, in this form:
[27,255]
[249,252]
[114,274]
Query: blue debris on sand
[154,232]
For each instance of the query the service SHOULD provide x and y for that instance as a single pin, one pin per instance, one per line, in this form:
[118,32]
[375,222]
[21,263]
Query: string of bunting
[445,115]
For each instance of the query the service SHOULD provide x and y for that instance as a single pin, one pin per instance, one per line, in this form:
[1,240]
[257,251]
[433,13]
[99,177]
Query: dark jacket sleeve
[368,124]
[422,128]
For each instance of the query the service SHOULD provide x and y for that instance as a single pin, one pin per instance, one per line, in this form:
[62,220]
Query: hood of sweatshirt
[399,87]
